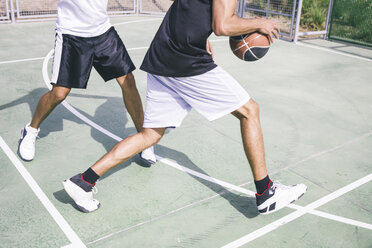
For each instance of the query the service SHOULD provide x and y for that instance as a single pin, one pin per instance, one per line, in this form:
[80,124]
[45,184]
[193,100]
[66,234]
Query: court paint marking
[205,177]
[251,193]
[349,142]
[293,206]
[58,218]
[154,219]
[332,51]
[20,60]
[129,49]
[116,24]
[135,21]
[208,178]
[288,218]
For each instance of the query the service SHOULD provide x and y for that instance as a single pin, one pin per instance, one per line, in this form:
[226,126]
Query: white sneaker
[82,193]
[148,156]
[26,146]
[277,196]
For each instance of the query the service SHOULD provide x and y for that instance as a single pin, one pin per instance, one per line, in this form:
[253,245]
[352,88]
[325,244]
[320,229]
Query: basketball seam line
[246,44]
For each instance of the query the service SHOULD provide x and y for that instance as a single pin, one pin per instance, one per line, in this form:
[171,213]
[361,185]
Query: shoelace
[277,184]
[95,189]
[33,135]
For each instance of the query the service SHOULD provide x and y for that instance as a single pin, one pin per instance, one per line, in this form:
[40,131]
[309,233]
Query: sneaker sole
[66,186]
[145,162]
[265,211]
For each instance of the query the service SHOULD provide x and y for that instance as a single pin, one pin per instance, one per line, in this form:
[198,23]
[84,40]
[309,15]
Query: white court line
[205,177]
[288,218]
[20,60]
[58,218]
[332,51]
[116,24]
[153,219]
[208,178]
[136,21]
[251,193]
[357,139]
[239,189]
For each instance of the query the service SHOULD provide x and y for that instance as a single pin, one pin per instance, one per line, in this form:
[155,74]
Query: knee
[152,136]
[59,93]
[127,81]
[250,110]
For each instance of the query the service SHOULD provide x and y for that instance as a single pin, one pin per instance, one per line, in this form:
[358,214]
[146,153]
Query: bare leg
[132,99]
[127,148]
[47,103]
[252,137]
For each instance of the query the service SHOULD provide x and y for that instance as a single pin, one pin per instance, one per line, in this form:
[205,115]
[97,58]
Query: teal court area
[316,113]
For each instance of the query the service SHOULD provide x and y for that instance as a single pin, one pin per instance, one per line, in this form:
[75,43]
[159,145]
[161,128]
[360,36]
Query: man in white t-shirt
[85,39]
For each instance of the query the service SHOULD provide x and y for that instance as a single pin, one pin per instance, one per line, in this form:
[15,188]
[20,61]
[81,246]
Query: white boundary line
[331,51]
[288,218]
[357,139]
[200,175]
[71,235]
[116,24]
[20,60]
[152,219]
[135,21]
[58,218]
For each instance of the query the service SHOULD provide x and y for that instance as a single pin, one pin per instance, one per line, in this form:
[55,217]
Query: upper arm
[222,12]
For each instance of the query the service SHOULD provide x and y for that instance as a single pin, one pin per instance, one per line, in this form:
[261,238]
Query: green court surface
[316,112]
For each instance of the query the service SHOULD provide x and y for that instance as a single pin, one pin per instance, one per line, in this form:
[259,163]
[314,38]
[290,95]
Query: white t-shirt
[85,18]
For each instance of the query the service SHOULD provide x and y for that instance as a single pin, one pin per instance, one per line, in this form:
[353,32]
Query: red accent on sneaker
[86,181]
[268,186]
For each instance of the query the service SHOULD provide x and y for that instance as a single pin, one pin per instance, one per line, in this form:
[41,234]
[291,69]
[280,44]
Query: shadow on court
[114,107]
[112,116]
[244,204]
[54,122]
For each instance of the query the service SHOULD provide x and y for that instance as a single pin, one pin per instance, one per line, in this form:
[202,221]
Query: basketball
[249,47]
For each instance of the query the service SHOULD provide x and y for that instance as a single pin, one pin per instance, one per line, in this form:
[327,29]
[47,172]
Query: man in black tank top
[179,46]
[182,75]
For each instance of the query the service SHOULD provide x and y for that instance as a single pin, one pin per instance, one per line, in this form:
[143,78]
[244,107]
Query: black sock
[90,176]
[262,184]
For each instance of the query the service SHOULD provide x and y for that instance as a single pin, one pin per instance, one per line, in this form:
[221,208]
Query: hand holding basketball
[269,28]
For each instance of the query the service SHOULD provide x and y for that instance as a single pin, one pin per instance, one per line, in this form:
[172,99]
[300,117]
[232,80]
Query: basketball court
[316,105]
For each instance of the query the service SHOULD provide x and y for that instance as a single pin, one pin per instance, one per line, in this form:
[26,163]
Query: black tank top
[179,47]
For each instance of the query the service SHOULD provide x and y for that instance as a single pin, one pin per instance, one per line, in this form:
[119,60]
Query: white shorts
[212,94]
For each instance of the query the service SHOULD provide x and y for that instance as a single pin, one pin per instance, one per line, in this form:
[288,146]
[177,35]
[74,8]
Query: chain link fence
[36,10]
[26,9]
[47,9]
[154,6]
[4,11]
[351,21]
[281,11]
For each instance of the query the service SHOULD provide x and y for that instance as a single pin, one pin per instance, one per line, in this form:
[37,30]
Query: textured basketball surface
[249,47]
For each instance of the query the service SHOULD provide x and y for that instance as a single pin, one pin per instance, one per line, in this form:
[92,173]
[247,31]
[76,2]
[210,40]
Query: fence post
[298,18]
[292,18]
[138,6]
[267,9]
[328,18]
[12,15]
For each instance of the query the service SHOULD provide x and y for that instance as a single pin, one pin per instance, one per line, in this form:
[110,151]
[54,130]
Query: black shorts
[74,57]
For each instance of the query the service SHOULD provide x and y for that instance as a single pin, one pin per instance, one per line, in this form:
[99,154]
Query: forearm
[236,25]
[226,23]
